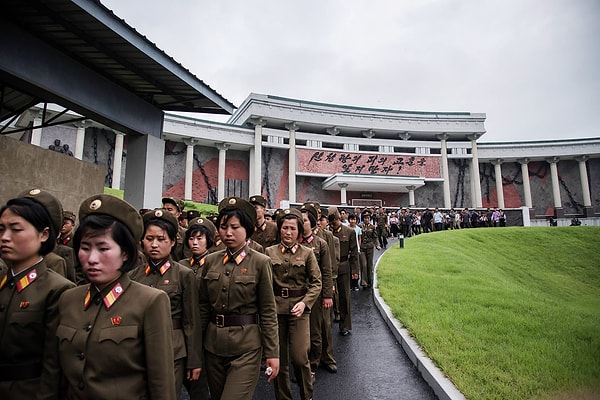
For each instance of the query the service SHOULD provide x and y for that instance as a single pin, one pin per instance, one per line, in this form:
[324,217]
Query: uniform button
[223,306]
[81,356]
[224,289]
[227,273]
[98,299]
[88,327]
[80,385]
[286,260]
[11,285]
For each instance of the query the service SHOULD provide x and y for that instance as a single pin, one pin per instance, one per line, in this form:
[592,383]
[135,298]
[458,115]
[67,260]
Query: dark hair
[98,224]
[245,220]
[202,230]
[164,225]
[37,215]
[311,218]
[291,216]
[352,216]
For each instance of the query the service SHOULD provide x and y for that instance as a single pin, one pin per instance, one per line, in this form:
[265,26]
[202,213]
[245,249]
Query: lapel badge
[166,281]
[24,304]
[116,320]
[244,270]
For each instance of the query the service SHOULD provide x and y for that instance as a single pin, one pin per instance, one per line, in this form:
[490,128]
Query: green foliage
[205,209]
[506,313]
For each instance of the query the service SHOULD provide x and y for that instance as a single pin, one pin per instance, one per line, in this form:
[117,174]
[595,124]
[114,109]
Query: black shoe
[356,289]
[330,368]
[344,332]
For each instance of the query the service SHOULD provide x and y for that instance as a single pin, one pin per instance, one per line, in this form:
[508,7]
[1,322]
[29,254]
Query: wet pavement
[371,364]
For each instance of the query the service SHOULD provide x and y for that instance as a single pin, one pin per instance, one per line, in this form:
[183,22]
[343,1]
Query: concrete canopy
[372,183]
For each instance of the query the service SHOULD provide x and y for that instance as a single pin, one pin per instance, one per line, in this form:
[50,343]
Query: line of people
[139,307]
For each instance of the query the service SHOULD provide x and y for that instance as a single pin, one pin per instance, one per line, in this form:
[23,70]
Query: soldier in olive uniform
[265,232]
[297,286]
[237,308]
[175,207]
[179,282]
[67,229]
[29,293]
[381,221]
[114,337]
[348,268]
[368,242]
[322,307]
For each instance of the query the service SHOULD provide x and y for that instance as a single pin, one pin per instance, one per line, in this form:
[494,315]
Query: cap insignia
[96,204]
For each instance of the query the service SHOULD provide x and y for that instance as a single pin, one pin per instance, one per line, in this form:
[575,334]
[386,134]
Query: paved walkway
[371,363]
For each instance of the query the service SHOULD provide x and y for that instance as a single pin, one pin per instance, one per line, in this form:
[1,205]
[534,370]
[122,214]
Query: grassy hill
[506,313]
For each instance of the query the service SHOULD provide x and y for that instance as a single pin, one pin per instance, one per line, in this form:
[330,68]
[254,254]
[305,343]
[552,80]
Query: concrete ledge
[441,385]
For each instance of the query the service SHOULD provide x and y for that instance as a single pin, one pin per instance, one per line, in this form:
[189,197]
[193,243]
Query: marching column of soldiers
[111,301]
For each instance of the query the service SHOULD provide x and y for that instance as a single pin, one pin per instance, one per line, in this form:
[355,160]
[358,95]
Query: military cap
[191,214]
[258,199]
[161,213]
[175,201]
[309,208]
[366,214]
[70,215]
[49,202]
[213,218]
[276,213]
[238,203]
[294,212]
[269,213]
[333,213]
[203,222]
[115,207]
[323,212]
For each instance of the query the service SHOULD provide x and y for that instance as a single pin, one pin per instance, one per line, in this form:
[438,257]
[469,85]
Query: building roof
[93,35]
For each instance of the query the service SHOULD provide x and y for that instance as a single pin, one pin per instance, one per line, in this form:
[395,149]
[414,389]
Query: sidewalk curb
[441,385]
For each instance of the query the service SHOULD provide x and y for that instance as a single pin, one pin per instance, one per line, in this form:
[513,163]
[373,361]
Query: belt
[287,292]
[344,259]
[223,321]
[177,324]
[20,371]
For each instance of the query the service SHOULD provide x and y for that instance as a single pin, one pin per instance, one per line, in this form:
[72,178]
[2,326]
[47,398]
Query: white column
[499,188]
[256,186]
[36,132]
[526,183]
[293,127]
[189,168]
[343,187]
[144,172]
[475,178]
[223,147]
[445,175]
[585,185]
[411,195]
[80,140]
[117,160]
[555,184]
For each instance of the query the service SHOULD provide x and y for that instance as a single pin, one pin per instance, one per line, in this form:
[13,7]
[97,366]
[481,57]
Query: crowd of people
[146,302]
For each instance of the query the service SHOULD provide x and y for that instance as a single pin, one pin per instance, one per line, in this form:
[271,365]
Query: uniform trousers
[294,344]
[321,346]
[343,286]
[180,371]
[366,266]
[235,377]
[198,390]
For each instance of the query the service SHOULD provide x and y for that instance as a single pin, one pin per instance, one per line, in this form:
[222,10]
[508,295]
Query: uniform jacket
[334,250]
[295,268]
[240,285]
[118,344]
[321,252]
[180,285]
[369,236]
[266,234]
[28,321]
[348,250]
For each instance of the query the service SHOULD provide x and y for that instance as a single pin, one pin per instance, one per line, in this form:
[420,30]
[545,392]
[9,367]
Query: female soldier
[297,285]
[29,294]
[113,339]
[237,308]
[161,272]
[199,237]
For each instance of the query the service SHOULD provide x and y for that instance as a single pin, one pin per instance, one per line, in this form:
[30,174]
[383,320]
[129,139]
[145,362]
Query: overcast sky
[533,66]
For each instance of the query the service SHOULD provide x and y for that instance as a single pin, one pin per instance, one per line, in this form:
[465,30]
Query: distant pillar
[256,186]
[499,189]
[526,183]
[36,132]
[343,187]
[117,160]
[293,127]
[144,178]
[555,183]
[585,186]
[475,178]
[411,195]
[80,140]
[189,168]
[223,147]
[445,175]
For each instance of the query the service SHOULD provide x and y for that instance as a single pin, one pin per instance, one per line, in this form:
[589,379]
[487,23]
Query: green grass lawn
[505,313]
